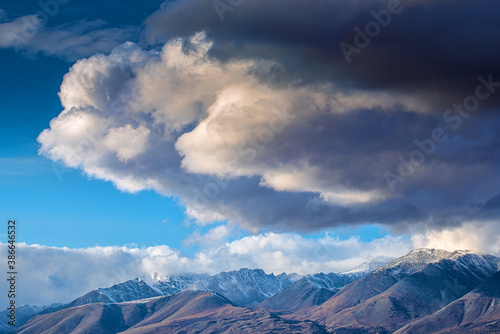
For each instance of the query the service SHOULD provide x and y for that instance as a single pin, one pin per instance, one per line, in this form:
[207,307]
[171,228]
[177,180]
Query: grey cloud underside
[355,150]
[328,163]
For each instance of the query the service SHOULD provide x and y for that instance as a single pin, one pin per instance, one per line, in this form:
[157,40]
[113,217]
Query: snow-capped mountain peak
[139,288]
[418,259]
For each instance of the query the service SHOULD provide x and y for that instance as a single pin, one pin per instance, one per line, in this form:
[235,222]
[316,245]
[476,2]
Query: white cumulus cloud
[54,274]
[475,236]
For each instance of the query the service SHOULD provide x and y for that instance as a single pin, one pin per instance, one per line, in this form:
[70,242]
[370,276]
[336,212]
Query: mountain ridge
[399,291]
[401,296]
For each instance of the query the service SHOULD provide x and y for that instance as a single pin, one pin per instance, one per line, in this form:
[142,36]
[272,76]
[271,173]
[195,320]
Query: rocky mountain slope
[309,291]
[139,288]
[245,287]
[402,291]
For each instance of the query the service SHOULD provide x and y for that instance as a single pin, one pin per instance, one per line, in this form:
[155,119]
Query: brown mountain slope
[91,318]
[476,312]
[299,295]
[392,296]
[185,312]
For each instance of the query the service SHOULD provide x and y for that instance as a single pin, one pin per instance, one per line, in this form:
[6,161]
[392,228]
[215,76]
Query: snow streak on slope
[245,287]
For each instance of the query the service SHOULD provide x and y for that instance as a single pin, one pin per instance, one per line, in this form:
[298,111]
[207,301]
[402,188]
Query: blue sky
[174,137]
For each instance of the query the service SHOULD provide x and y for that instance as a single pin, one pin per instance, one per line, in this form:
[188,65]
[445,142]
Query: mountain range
[425,291]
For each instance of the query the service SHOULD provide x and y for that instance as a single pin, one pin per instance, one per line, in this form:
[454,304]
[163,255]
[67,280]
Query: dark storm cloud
[435,47]
[434,50]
